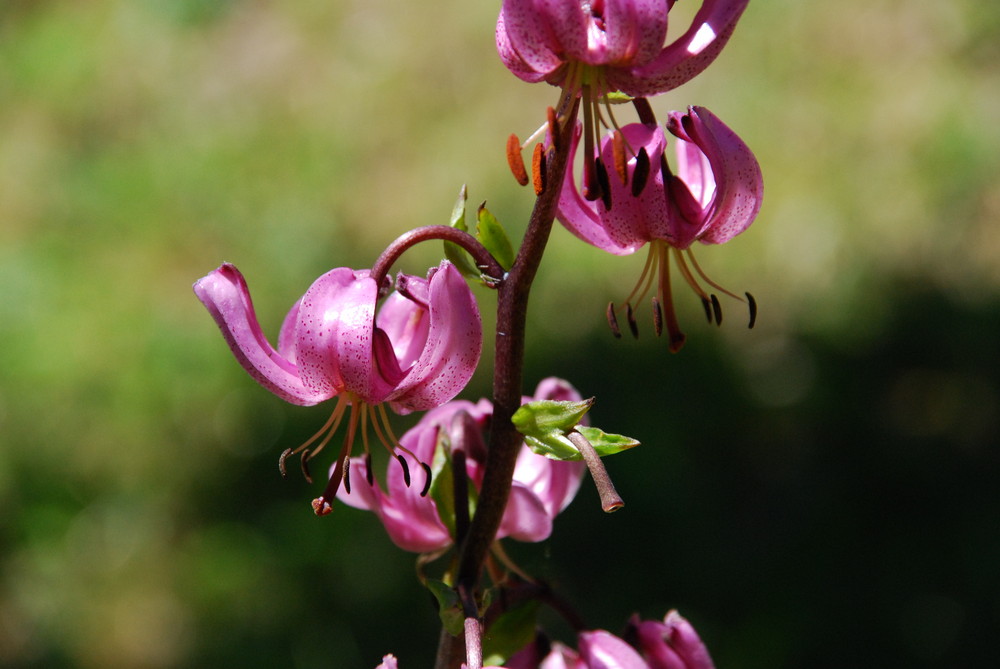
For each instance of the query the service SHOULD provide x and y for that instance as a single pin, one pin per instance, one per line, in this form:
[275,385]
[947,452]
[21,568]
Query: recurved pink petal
[738,183]
[686,57]
[634,31]
[341,299]
[603,650]
[451,353]
[672,644]
[524,517]
[527,25]
[224,293]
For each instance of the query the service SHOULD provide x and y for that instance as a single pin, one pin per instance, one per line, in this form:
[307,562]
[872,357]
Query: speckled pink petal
[454,342]
[739,185]
[529,28]
[686,57]
[512,59]
[634,31]
[224,293]
[334,332]
[405,322]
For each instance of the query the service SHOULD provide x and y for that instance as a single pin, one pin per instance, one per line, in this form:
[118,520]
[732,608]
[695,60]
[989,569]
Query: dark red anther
[281,462]
[604,182]
[347,475]
[707,306]
[632,325]
[657,317]
[613,321]
[406,469]
[717,309]
[515,160]
[427,479]
[369,474]
[641,173]
[752,303]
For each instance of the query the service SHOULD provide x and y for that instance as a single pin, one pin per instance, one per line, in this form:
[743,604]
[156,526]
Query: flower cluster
[540,490]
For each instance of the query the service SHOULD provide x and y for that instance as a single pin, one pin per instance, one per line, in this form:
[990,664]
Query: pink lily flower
[714,196]
[672,644]
[612,45]
[541,487]
[417,352]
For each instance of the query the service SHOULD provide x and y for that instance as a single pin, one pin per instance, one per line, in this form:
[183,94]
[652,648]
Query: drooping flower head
[594,48]
[453,435]
[713,196]
[611,45]
[417,352]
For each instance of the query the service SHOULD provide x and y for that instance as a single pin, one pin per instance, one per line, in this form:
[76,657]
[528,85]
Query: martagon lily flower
[610,45]
[416,353]
[540,490]
[715,195]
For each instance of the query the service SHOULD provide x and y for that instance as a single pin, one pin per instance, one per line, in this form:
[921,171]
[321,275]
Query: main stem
[508,372]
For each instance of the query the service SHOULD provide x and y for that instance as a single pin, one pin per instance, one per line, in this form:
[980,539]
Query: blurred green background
[816,492]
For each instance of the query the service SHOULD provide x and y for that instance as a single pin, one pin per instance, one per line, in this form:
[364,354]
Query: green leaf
[604,443]
[453,252]
[449,607]
[540,417]
[545,424]
[491,234]
[512,631]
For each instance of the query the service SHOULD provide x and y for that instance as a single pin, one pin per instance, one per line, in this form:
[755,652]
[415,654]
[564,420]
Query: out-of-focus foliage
[817,488]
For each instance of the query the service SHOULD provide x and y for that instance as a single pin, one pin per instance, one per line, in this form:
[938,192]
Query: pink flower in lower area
[714,195]
[670,644]
[612,45]
[541,487]
[415,353]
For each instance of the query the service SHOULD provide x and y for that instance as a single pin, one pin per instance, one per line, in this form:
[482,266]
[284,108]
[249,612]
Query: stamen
[330,427]
[427,479]
[752,303]
[707,306]
[632,325]
[538,169]
[515,160]
[553,120]
[677,337]
[717,309]
[321,505]
[657,317]
[618,151]
[406,469]
[706,279]
[304,464]
[281,462]
[641,173]
[603,182]
[347,475]
[369,474]
[613,321]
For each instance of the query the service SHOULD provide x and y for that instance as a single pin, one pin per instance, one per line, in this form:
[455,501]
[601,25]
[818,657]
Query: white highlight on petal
[701,39]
